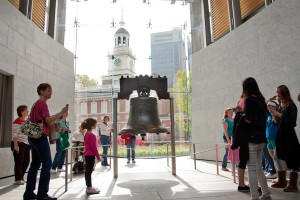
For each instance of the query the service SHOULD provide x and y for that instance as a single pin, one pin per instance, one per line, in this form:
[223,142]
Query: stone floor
[148,179]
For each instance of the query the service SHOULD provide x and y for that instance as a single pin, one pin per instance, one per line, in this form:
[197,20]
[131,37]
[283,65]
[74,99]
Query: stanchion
[66,172]
[194,149]
[168,154]
[233,165]
[217,158]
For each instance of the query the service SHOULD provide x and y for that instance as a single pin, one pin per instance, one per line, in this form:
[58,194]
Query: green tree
[83,81]
[181,91]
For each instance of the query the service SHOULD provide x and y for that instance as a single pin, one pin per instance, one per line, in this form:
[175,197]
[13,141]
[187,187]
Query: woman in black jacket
[255,126]
[287,143]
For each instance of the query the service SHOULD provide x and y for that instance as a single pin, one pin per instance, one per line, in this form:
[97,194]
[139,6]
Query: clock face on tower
[117,62]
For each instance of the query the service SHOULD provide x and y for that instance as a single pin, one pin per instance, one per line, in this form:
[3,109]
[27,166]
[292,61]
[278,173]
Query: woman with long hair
[255,121]
[287,143]
[227,134]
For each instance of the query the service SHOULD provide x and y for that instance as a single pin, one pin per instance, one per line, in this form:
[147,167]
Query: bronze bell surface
[143,117]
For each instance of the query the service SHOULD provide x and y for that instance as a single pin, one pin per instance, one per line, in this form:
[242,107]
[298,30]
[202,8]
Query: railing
[217,158]
[194,153]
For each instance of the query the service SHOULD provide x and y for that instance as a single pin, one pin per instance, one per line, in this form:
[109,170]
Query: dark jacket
[287,143]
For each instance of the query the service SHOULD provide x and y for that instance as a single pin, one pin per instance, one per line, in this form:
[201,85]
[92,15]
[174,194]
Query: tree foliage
[181,91]
[83,81]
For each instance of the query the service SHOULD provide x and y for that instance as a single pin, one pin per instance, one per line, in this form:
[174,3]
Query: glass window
[83,108]
[104,107]
[93,107]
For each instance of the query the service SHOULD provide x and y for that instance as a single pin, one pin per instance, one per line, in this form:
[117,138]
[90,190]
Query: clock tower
[121,60]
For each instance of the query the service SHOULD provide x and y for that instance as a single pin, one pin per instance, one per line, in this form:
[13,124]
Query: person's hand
[65,109]
[273,97]
[16,148]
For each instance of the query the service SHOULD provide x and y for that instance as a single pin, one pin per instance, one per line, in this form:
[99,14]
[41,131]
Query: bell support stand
[143,116]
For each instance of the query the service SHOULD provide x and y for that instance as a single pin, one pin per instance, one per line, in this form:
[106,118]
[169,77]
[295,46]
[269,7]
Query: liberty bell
[143,113]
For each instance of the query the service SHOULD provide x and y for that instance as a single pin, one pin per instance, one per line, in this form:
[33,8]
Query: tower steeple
[122,23]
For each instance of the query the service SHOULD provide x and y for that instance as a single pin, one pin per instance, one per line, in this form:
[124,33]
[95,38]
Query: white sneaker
[61,170]
[92,190]
[53,171]
[271,176]
[19,182]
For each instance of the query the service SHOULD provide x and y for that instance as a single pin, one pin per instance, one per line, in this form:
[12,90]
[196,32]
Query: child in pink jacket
[90,152]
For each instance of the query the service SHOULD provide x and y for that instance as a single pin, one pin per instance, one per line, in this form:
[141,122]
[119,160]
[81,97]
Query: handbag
[32,130]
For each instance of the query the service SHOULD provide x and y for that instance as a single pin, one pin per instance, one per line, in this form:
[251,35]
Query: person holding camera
[287,143]
[63,134]
[40,148]
[105,131]
[130,145]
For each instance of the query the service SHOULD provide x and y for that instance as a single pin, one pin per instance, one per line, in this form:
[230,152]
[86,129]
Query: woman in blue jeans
[227,134]
[40,148]
[105,131]
[255,124]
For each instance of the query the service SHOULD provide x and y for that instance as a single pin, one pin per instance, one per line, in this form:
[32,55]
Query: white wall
[267,47]
[32,57]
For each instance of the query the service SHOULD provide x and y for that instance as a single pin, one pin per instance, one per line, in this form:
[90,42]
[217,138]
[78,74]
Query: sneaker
[244,188]
[225,169]
[265,198]
[61,170]
[47,198]
[271,176]
[133,161]
[92,190]
[31,197]
[128,161]
[53,171]
[19,182]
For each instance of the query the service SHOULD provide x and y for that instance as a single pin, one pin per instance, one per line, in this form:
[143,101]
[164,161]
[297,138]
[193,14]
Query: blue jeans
[59,157]
[132,147]
[40,155]
[268,161]
[104,142]
[225,158]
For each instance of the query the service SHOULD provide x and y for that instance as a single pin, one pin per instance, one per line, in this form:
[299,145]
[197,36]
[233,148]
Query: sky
[95,33]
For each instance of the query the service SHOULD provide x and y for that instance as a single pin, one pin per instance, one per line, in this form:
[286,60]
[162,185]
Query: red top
[38,114]
[90,145]
[18,121]
[127,137]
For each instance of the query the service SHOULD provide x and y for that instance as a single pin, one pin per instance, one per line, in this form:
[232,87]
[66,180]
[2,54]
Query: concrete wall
[267,47]
[32,57]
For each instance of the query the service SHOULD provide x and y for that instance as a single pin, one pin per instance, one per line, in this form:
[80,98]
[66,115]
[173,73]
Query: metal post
[194,149]
[233,166]
[66,172]
[115,137]
[172,136]
[71,174]
[217,158]
[168,154]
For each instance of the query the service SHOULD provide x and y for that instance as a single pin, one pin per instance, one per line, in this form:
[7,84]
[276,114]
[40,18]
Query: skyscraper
[168,54]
